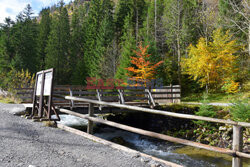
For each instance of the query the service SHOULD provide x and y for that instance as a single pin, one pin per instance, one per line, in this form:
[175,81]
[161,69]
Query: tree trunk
[179,59]
[147,25]
[249,39]
[178,43]
[155,20]
[137,25]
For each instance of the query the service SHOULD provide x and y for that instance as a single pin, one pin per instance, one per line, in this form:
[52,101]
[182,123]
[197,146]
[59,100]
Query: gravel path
[26,144]
[212,104]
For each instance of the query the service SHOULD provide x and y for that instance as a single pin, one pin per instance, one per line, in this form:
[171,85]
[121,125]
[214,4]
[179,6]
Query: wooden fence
[139,97]
[236,152]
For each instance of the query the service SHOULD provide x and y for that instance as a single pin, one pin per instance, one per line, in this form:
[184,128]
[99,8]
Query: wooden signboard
[42,97]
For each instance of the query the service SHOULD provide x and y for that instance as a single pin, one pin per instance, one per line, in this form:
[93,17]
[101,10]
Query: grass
[7,100]
[216,97]
[220,97]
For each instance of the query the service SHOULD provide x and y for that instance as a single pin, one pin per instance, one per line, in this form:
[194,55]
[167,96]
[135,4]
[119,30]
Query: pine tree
[44,30]
[57,50]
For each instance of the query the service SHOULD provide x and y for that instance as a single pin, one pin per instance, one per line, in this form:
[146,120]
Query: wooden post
[50,98]
[237,145]
[98,94]
[71,101]
[40,110]
[172,95]
[90,123]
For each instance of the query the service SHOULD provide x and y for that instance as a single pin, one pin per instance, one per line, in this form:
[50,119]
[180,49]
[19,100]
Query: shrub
[18,79]
[206,111]
[240,110]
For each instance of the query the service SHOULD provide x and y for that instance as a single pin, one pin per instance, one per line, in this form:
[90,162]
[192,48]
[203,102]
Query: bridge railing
[165,94]
[236,151]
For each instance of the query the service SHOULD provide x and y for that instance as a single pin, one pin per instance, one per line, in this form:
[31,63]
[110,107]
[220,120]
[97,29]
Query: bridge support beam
[237,145]
[90,123]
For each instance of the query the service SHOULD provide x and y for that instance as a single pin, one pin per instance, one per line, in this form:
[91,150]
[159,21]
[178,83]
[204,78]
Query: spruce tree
[124,7]
[58,55]
[77,45]
[44,30]
[100,13]
[128,45]
[25,41]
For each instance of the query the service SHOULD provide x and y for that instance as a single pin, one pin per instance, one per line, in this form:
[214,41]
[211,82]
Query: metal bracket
[150,98]
[121,97]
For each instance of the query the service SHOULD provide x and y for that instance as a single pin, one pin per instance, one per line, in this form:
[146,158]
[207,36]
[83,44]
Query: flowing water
[183,155]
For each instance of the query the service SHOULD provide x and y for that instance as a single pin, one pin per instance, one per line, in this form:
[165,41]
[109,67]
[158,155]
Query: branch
[238,10]
[238,26]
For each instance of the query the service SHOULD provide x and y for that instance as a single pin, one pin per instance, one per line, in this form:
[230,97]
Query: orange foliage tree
[143,70]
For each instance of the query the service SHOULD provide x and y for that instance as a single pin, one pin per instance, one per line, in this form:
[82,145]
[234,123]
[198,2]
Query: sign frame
[43,95]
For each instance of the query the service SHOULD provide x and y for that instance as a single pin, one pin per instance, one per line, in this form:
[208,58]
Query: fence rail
[166,94]
[237,127]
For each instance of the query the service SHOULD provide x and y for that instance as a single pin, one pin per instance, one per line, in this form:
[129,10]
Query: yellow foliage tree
[213,64]
[21,79]
[144,69]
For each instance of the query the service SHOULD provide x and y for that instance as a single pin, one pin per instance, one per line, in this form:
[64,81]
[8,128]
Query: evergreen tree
[7,47]
[104,38]
[4,63]
[57,49]
[25,41]
[7,51]
[44,30]
[128,45]
[123,8]
[77,46]
[100,13]
[91,26]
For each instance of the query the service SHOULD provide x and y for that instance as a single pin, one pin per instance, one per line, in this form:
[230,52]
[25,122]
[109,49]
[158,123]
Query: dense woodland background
[96,38]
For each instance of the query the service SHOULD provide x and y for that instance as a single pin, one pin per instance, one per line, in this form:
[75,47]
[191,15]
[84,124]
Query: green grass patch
[7,100]
[216,97]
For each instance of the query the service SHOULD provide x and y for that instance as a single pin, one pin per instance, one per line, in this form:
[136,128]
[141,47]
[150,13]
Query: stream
[165,150]
[180,154]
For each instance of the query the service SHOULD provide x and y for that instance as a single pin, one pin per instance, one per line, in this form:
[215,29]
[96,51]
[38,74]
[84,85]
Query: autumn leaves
[211,63]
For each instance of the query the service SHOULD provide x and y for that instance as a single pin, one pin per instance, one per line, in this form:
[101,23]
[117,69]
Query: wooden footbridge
[132,96]
[67,98]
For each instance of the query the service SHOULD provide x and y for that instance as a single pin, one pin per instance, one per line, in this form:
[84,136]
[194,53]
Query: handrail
[157,135]
[237,127]
[154,111]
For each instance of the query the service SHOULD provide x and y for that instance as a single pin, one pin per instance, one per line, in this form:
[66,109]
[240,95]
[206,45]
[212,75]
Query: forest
[198,44]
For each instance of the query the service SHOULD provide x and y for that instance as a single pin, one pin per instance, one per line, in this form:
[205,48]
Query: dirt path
[26,144]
